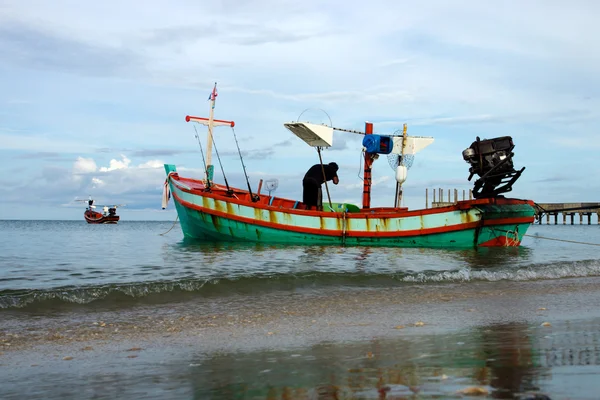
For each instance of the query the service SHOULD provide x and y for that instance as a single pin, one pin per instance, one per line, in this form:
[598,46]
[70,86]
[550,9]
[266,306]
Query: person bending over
[312,195]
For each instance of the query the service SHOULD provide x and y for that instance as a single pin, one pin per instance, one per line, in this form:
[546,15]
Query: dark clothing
[312,194]
[316,172]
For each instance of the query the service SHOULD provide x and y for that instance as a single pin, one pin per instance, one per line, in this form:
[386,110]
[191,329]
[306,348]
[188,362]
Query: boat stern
[504,223]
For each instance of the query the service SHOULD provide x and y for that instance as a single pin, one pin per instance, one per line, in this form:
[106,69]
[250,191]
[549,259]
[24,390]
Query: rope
[170,227]
[563,240]
[548,238]
[360,166]
[514,240]
[540,207]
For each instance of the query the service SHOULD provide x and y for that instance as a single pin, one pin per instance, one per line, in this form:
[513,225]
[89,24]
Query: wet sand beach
[424,341]
[160,317]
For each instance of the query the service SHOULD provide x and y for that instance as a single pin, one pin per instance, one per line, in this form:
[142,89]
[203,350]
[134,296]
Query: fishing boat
[107,216]
[218,212]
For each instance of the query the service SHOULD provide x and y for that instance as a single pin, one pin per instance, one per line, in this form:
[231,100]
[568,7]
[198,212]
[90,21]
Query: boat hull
[93,217]
[474,223]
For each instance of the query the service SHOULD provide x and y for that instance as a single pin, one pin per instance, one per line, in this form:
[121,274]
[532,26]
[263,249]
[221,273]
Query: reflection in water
[508,361]
[495,256]
[361,259]
[502,359]
[511,359]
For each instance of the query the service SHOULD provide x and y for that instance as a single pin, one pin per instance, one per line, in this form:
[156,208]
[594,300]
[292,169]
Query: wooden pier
[550,210]
[568,211]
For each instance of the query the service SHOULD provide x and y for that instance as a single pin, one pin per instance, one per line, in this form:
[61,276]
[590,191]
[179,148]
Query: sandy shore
[146,336]
[283,318]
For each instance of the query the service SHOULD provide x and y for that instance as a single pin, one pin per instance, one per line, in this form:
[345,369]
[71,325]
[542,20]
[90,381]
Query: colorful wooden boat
[108,216]
[209,211]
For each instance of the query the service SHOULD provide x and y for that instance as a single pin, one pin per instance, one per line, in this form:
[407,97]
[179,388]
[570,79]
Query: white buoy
[401,172]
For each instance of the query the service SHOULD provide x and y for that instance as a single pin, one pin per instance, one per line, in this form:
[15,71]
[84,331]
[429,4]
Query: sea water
[68,273]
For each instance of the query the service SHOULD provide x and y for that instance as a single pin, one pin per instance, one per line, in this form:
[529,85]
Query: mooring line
[547,238]
[171,226]
[563,240]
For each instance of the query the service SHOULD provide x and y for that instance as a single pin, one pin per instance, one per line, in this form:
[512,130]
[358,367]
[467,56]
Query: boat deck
[217,190]
[265,201]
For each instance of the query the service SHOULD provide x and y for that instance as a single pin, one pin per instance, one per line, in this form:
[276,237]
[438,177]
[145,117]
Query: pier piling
[567,210]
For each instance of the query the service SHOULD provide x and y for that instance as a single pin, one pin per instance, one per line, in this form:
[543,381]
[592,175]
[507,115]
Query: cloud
[45,155]
[346,142]
[285,143]
[74,85]
[159,152]
[569,142]
[140,185]
[231,32]
[117,164]
[152,164]
[96,183]
[555,178]
[372,95]
[84,166]
[374,182]
[35,142]
[394,63]
[32,47]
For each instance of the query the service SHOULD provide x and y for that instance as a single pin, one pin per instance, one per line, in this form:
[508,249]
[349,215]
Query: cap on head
[334,166]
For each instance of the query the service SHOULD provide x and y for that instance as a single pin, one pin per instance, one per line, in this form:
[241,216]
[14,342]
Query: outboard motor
[491,159]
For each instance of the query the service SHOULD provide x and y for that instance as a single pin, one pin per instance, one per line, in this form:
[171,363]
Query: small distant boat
[107,216]
[210,211]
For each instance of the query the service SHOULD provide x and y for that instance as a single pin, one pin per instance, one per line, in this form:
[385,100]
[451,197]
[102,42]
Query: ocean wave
[186,288]
[570,269]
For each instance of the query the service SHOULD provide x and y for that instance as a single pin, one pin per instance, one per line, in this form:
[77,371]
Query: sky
[93,95]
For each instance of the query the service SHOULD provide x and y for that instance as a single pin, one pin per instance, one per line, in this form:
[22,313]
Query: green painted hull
[449,228]
[198,225]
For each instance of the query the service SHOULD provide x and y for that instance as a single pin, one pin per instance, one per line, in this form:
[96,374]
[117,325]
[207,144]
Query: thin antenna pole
[203,160]
[229,191]
[252,197]
[209,140]
[324,177]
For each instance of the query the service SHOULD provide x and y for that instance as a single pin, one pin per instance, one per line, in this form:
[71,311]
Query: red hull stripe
[501,241]
[331,232]
[97,218]
[461,205]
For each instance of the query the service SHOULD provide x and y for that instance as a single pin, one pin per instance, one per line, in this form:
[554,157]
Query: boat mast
[398,199]
[367,170]
[209,167]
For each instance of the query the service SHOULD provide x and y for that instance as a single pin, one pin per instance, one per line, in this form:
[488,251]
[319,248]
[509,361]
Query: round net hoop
[396,159]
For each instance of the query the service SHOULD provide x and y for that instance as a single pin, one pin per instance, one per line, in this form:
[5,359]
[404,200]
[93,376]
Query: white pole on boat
[209,167]
[398,200]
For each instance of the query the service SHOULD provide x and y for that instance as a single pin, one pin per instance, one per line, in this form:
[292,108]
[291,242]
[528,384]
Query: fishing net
[396,159]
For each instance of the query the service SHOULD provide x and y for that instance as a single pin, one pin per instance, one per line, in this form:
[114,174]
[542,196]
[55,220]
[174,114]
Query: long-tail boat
[219,212]
[107,216]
